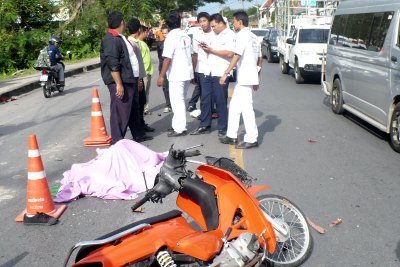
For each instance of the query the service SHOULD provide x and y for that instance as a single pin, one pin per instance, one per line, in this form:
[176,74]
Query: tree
[25,25]
[26,14]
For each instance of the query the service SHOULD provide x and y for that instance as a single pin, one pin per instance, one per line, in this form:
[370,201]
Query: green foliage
[25,25]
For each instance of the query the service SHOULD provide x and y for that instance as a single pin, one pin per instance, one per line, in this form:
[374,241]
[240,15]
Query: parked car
[269,46]
[260,33]
[363,64]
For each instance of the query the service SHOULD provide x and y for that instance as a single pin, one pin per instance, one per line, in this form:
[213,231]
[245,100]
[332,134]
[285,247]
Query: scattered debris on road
[336,222]
[138,210]
[317,228]
[5,100]
[312,140]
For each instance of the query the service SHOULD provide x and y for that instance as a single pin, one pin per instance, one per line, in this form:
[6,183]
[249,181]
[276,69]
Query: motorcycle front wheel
[293,248]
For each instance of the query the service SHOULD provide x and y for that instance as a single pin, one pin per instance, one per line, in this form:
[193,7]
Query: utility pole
[258,13]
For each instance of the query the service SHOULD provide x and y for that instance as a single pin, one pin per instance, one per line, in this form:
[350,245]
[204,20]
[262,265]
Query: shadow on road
[268,126]
[9,129]
[398,250]
[371,129]
[327,101]
[74,89]
[14,261]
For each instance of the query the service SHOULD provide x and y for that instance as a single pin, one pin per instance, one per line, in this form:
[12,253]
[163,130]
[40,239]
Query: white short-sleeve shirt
[132,57]
[177,47]
[225,40]
[203,65]
[248,48]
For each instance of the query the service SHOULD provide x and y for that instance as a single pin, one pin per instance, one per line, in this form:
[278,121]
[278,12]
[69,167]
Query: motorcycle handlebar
[140,203]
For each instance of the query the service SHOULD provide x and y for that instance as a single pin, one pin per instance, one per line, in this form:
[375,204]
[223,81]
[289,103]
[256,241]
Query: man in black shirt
[120,72]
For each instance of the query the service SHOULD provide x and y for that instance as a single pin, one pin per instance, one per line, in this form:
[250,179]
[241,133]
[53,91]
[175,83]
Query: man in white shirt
[202,68]
[248,60]
[178,68]
[219,53]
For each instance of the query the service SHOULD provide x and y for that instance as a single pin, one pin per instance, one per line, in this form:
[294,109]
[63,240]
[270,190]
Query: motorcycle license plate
[43,78]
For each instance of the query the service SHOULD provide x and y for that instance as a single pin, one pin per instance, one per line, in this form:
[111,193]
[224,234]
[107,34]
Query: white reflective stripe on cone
[95,100]
[33,153]
[36,175]
[97,114]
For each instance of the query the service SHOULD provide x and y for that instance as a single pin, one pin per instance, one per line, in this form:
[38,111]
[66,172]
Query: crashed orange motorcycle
[231,223]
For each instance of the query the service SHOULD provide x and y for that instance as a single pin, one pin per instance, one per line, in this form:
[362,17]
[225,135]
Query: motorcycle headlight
[274,48]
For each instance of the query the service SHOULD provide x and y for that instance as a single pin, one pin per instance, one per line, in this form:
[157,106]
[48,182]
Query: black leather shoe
[191,108]
[170,130]
[221,133]
[147,128]
[201,130]
[175,134]
[143,138]
[245,145]
[227,140]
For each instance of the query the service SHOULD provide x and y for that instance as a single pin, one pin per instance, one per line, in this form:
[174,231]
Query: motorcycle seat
[50,68]
[83,252]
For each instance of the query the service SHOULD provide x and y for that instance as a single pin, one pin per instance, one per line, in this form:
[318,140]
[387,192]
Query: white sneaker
[195,113]
[167,110]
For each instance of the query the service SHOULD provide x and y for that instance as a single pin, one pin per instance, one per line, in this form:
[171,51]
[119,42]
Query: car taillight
[44,71]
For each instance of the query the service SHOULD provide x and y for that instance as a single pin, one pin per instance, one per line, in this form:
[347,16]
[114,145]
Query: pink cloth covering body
[116,173]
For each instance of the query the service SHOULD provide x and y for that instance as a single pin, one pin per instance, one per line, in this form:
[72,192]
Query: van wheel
[297,74]
[337,97]
[284,65]
[395,129]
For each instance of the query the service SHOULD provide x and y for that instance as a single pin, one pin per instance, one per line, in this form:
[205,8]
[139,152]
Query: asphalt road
[350,172]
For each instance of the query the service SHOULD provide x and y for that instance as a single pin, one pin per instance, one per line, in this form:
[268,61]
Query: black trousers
[142,103]
[124,112]
[196,91]
[166,93]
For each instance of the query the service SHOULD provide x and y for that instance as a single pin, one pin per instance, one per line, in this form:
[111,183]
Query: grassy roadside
[26,72]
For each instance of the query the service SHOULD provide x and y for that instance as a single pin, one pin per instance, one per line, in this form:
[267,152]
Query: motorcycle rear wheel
[296,247]
[46,91]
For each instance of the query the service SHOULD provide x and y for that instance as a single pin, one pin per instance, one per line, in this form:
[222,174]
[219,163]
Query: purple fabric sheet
[116,173]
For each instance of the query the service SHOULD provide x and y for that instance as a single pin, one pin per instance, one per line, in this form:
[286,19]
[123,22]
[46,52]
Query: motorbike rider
[56,57]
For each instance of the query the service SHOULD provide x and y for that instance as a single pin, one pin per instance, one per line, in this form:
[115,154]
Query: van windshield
[317,36]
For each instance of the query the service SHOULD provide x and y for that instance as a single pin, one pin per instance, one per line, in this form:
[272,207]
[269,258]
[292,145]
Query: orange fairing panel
[201,245]
[142,245]
[192,209]
[176,234]
[233,195]
[257,188]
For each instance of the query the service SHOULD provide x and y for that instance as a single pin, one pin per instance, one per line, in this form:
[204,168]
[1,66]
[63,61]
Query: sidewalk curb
[36,84]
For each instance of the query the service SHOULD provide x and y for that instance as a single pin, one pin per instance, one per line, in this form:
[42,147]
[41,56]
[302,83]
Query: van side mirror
[290,41]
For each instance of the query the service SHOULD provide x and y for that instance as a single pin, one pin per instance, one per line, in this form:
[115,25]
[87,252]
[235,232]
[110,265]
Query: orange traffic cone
[38,197]
[98,133]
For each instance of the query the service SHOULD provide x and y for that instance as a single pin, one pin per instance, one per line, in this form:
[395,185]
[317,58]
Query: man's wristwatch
[227,72]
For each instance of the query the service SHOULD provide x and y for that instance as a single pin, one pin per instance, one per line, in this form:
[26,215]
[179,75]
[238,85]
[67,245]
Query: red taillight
[44,71]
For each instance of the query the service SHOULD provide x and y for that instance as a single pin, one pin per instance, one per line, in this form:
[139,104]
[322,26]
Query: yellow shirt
[144,49]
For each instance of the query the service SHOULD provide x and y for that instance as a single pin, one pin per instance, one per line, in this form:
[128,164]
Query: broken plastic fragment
[336,222]
[317,228]
[138,210]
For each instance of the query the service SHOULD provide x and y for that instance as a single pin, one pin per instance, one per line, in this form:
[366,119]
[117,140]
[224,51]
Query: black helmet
[55,39]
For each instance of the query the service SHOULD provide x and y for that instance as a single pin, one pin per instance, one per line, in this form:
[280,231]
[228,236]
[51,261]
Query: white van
[363,63]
